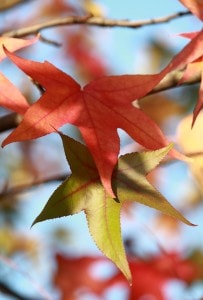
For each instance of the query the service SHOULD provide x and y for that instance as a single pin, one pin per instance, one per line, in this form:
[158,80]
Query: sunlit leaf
[83,191]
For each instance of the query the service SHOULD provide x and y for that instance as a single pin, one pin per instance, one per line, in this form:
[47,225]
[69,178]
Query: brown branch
[9,121]
[7,290]
[23,187]
[91,21]
[172,80]
[13,266]
[48,41]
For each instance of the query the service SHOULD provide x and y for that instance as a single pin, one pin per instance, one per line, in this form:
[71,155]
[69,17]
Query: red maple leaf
[98,109]
[194,68]
[151,275]
[74,276]
[89,63]
[156,272]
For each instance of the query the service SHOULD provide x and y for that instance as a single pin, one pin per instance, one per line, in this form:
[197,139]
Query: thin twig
[23,187]
[48,41]
[44,295]
[7,290]
[172,81]
[91,21]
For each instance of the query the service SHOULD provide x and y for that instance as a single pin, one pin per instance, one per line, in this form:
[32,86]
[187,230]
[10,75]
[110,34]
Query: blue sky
[127,46]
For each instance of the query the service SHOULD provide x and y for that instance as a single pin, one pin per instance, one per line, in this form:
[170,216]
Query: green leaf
[132,185]
[83,191]
[103,217]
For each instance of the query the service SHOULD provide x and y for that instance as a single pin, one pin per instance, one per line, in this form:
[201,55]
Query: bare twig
[7,290]
[48,41]
[24,187]
[14,266]
[172,81]
[91,21]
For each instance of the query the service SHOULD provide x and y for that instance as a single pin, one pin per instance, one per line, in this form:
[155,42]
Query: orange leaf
[97,110]
[194,68]
[191,143]
[74,276]
[14,44]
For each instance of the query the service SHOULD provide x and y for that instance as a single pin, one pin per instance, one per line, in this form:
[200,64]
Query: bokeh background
[57,259]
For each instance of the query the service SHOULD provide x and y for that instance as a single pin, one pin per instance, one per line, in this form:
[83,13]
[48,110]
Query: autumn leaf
[195,6]
[93,8]
[163,108]
[74,276]
[10,97]
[83,191]
[87,61]
[193,69]
[12,242]
[191,142]
[14,44]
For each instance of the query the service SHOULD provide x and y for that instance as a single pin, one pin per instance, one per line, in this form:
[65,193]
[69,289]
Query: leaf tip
[3,144]
[36,220]
[170,146]
[7,52]
[6,141]
[128,277]
[130,282]
[191,224]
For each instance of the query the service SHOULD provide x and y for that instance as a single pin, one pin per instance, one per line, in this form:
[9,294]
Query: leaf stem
[90,20]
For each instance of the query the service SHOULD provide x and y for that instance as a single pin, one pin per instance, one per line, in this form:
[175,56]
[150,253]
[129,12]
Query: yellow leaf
[93,8]
[191,142]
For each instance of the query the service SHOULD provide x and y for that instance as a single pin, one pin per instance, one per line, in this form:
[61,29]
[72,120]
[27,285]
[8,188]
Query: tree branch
[91,21]
[9,121]
[23,187]
[7,290]
[44,295]
[171,81]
